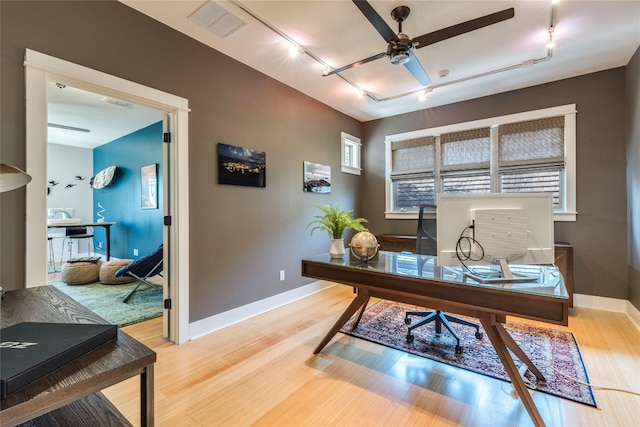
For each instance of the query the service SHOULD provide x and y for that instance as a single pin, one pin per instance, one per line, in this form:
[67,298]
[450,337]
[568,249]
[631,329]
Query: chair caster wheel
[409,338]
[407,320]
[479,335]
[458,349]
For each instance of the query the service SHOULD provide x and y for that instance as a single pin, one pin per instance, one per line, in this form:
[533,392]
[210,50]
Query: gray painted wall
[599,236]
[633,177]
[241,237]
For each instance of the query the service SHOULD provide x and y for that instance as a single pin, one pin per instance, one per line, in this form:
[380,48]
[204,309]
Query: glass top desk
[416,279]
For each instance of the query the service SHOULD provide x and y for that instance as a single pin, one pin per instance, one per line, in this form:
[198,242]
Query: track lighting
[327,70]
[550,42]
[296,50]
[422,96]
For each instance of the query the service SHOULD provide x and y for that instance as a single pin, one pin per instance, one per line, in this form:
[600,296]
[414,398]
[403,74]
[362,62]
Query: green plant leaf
[335,221]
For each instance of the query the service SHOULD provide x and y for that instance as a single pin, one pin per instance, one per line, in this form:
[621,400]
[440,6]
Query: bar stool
[78,233]
[52,259]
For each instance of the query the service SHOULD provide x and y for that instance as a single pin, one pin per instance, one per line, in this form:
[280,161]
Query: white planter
[336,250]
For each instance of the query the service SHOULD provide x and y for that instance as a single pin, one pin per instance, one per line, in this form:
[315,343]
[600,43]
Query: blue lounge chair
[141,269]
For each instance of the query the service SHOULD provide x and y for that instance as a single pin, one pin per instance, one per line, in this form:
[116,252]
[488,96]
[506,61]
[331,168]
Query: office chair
[141,269]
[426,244]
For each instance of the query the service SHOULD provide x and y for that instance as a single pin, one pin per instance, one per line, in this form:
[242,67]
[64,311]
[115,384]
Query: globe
[364,246]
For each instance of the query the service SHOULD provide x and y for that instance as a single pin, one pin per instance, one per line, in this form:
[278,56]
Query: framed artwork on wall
[241,166]
[149,186]
[317,178]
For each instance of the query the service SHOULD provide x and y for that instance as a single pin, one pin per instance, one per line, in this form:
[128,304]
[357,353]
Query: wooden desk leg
[360,301]
[492,329]
[515,348]
[362,310]
[146,397]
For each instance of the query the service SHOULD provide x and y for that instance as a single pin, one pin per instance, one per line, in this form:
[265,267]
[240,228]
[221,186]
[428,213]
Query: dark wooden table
[71,395]
[416,279]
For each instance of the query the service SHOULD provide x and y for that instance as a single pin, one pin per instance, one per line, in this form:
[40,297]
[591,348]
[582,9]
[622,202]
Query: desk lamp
[11,178]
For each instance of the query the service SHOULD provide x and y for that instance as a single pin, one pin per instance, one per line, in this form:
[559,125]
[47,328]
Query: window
[350,154]
[524,152]
[465,161]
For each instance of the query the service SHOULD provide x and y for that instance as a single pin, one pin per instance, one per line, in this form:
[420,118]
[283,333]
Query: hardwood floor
[262,372]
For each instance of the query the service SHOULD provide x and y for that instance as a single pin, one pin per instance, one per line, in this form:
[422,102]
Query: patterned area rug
[106,301]
[550,350]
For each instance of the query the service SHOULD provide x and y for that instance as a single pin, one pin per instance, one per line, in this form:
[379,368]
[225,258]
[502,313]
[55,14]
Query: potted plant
[335,221]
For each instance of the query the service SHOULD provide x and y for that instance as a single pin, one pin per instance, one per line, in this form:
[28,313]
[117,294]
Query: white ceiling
[97,119]
[590,36]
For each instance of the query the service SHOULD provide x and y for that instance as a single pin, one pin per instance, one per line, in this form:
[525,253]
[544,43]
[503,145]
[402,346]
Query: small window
[350,154]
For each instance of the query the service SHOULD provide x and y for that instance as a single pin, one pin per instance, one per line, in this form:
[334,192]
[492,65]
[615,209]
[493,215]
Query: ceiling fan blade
[414,66]
[376,20]
[355,64]
[463,27]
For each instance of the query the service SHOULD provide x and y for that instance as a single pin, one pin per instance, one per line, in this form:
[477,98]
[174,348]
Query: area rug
[552,351]
[106,301]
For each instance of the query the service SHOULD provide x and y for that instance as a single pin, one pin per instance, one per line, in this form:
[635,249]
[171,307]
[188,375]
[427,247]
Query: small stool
[108,272]
[52,261]
[80,273]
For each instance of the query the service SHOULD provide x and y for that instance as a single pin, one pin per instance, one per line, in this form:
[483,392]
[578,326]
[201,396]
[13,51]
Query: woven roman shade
[532,142]
[466,150]
[413,156]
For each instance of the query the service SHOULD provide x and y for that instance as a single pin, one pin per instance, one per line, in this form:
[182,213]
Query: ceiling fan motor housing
[399,51]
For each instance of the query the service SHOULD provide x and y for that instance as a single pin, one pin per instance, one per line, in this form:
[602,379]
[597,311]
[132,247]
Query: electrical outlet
[135,252]
[99,245]
[281,274]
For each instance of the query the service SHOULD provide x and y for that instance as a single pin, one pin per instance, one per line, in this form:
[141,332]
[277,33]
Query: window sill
[351,170]
[557,216]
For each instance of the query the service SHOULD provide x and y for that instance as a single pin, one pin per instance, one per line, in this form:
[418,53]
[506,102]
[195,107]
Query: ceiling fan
[400,46]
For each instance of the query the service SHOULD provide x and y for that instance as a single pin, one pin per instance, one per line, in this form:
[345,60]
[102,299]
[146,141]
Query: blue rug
[106,301]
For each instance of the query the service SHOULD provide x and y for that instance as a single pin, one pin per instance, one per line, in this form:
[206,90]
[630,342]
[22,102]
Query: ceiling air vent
[116,102]
[217,19]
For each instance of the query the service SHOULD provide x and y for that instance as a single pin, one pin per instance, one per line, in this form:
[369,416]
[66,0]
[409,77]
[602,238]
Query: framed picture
[149,187]
[317,178]
[241,166]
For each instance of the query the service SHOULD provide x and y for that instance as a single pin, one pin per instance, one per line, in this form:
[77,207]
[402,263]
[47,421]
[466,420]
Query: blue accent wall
[135,228]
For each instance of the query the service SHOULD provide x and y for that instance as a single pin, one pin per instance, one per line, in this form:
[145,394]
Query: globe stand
[355,260]
[364,247]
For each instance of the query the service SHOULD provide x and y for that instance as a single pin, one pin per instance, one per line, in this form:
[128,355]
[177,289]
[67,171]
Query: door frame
[40,68]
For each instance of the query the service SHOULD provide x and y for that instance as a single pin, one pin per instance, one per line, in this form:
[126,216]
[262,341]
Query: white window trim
[567,213]
[39,68]
[349,140]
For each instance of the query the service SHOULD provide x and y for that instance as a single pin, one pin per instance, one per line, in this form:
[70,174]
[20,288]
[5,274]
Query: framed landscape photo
[241,166]
[149,187]
[317,178]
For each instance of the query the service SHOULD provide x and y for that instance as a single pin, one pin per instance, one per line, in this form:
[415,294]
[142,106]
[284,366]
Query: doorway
[89,132]
[40,69]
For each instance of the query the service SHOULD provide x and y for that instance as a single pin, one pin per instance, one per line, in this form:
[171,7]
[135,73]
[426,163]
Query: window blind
[413,156]
[466,150]
[532,142]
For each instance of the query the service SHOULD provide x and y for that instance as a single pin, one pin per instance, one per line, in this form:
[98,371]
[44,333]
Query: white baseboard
[608,304]
[228,318]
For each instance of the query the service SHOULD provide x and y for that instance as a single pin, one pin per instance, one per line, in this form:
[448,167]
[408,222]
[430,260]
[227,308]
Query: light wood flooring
[261,372]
